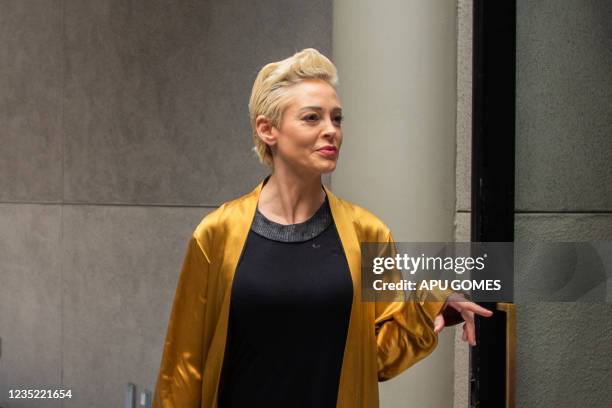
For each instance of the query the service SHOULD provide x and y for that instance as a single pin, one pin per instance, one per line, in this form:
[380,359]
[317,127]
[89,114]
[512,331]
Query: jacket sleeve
[179,382]
[404,329]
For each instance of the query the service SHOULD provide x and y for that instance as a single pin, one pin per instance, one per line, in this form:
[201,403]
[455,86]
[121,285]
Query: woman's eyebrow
[318,108]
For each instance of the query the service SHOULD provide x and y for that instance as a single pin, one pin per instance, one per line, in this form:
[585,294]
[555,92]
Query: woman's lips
[328,151]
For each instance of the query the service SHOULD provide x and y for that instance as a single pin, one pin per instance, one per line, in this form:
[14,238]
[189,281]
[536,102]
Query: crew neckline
[299,232]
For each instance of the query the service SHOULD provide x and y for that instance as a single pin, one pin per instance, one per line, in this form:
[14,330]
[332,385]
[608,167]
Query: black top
[289,313]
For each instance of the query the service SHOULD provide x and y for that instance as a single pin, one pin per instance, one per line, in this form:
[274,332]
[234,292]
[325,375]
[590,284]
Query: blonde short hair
[270,97]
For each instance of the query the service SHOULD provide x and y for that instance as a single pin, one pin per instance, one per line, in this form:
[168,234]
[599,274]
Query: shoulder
[217,223]
[368,226]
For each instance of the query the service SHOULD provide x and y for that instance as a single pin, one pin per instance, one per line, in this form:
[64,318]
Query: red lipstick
[328,151]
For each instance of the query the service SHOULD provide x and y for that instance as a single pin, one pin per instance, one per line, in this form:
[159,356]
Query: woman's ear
[266,130]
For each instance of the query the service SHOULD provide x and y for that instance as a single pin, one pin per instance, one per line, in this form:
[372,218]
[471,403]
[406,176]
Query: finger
[458,306]
[481,311]
[478,309]
[464,334]
[438,323]
[471,332]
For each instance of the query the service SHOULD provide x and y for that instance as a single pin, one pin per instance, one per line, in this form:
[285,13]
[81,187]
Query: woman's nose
[331,129]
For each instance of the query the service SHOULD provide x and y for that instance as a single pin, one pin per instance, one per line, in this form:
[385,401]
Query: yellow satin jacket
[383,339]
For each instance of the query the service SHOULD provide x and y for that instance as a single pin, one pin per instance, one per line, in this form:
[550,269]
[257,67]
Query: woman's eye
[311,117]
[339,118]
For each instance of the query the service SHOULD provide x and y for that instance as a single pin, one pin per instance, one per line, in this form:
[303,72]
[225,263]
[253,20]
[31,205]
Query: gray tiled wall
[119,274]
[155,95]
[563,190]
[564,106]
[121,124]
[463,163]
[30,101]
[463,173]
[563,349]
[30,299]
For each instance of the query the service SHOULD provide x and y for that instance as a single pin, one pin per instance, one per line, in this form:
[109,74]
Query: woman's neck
[289,198]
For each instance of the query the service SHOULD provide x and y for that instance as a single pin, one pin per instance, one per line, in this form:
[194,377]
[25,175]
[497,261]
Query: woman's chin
[328,169]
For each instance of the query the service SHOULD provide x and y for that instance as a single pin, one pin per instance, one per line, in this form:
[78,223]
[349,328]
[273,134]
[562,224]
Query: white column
[397,66]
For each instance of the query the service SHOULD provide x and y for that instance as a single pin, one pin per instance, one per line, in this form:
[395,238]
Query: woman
[267,310]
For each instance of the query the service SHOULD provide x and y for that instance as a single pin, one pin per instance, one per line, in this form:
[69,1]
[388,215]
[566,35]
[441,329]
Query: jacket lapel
[351,386]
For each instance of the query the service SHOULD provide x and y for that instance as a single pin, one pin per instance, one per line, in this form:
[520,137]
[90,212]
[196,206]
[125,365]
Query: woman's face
[309,136]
